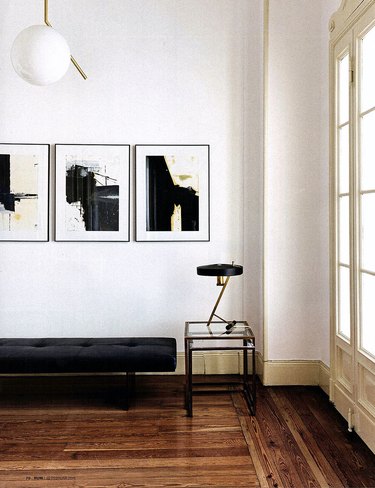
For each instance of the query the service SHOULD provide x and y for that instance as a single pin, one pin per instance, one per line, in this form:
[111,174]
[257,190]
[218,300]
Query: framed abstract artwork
[92,192]
[24,192]
[172,192]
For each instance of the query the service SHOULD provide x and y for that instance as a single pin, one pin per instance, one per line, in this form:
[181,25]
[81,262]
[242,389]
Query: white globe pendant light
[40,55]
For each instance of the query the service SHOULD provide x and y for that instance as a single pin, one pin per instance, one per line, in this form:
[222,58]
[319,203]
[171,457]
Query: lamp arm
[46,21]
[218,300]
[78,68]
[74,62]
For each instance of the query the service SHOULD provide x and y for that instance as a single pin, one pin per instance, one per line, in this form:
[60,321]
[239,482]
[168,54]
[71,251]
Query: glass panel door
[353,195]
[367,191]
[343,194]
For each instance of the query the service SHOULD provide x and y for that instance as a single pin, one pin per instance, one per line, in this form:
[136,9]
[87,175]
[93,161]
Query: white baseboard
[294,372]
[324,377]
[212,362]
[271,373]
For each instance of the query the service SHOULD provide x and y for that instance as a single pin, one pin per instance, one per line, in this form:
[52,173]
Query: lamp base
[228,327]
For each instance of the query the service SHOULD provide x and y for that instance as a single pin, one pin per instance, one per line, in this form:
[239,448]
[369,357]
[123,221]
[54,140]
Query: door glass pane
[368,71]
[344,230]
[368,231]
[368,150]
[344,159]
[344,89]
[344,302]
[368,313]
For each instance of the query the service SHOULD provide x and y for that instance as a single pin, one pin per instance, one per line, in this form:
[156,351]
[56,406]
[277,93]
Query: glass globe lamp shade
[40,55]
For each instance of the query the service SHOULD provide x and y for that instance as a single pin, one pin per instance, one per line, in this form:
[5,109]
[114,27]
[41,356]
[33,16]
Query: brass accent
[78,67]
[220,281]
[46,13]
[218,299]
[74,62]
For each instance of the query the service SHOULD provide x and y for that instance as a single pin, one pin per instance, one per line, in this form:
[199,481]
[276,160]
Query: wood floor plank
[236,462]
[122,481]
[216,440]
[255,454]
[156,477]
[202,475]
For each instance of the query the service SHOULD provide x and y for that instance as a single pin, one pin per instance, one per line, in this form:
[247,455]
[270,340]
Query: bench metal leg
[129,388]
[127,391]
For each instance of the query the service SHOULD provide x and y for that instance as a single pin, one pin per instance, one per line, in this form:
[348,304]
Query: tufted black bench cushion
[88,355]
[91,355]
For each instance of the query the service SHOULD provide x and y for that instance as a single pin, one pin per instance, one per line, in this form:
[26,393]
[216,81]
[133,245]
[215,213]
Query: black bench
[88,355]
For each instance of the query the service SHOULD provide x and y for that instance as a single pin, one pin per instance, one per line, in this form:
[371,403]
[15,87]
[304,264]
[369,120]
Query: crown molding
[347,14]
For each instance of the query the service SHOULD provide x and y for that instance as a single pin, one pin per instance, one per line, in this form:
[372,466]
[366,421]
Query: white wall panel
[297,202]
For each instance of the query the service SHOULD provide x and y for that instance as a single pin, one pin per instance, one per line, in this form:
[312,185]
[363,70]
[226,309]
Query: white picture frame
[92,192]
[172,192]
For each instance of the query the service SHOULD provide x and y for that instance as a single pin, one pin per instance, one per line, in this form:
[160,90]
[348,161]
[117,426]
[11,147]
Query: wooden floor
[71,432]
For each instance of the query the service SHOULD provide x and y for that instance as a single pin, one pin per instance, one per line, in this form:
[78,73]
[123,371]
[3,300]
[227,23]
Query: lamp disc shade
[220,270]
[40,55]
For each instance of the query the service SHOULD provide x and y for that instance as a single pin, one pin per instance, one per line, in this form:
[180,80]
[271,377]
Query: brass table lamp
[223,272]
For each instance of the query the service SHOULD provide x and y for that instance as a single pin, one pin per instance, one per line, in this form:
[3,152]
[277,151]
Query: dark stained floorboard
[71,432]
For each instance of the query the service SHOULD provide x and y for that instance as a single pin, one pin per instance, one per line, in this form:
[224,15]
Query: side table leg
[186,373]
[254,379]
[190,383]
[249,389]
[188,378]
[245,368]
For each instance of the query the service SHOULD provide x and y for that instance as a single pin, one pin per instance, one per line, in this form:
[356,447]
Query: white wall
[183,71]
[253,177]
[160,72]
[297,165]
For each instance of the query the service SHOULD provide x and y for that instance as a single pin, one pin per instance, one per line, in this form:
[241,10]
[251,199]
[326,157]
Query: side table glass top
[216,330]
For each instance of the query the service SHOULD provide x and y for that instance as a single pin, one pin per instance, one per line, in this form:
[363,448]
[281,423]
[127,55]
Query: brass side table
[240,337]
